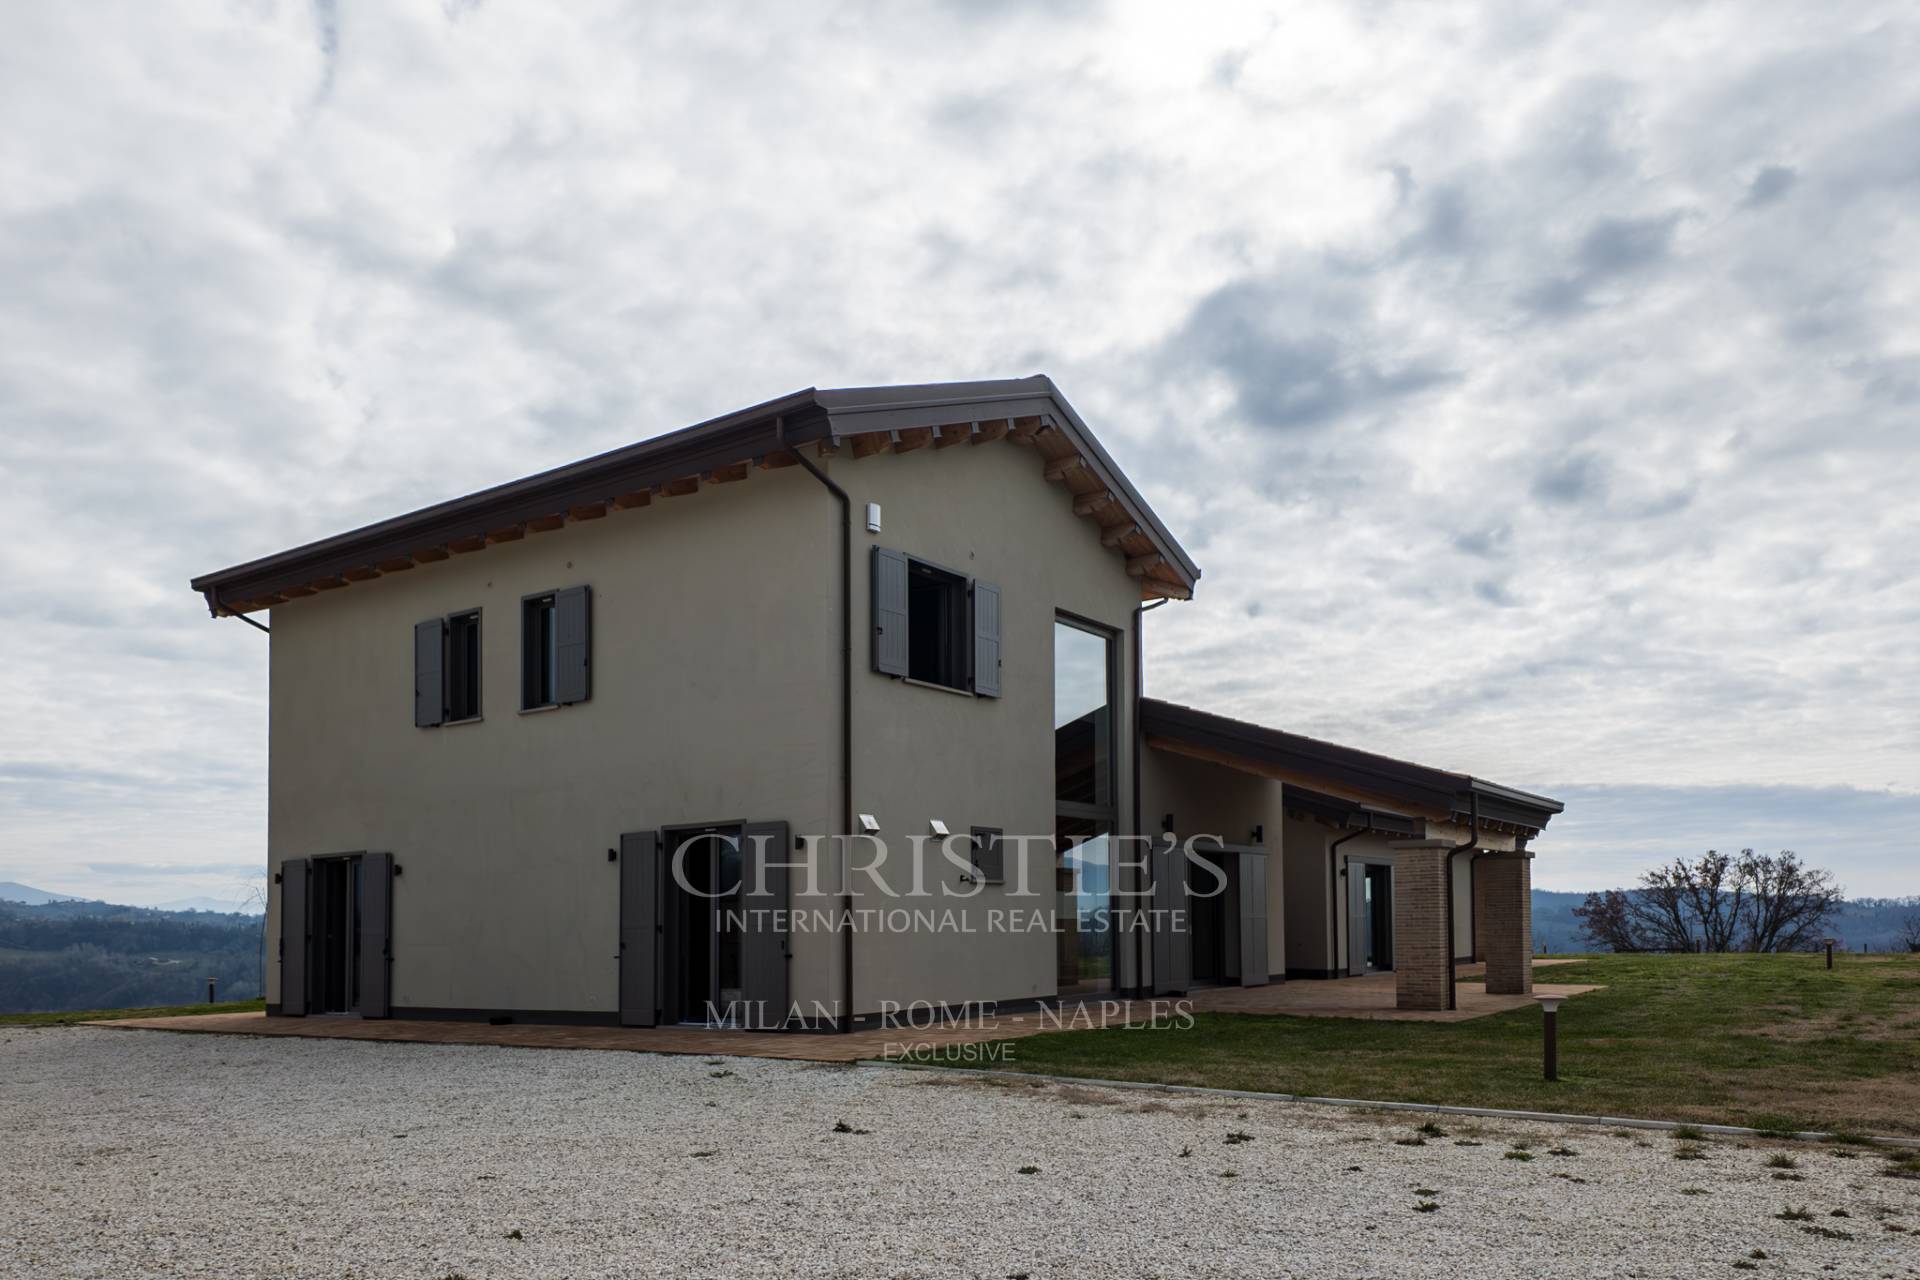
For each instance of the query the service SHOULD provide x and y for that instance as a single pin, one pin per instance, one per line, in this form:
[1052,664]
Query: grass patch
[1772,1042]
[72,1016]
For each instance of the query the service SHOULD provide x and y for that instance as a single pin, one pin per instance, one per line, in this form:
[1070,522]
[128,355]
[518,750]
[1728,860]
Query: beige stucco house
[822,709]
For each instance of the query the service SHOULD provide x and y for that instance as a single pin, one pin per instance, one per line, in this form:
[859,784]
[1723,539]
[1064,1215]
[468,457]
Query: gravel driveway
[134,1153]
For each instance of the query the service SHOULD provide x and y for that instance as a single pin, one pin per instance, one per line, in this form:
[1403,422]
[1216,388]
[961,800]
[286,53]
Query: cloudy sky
[1537,386]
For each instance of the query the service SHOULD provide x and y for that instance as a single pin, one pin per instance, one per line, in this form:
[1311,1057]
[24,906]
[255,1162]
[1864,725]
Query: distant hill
[12,891]
[1870,922]
[221,906]
[71,954]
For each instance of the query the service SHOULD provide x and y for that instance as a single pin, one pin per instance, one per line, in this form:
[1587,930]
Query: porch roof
[1344,784]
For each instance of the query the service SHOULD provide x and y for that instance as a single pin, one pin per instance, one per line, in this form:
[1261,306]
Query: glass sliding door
[1084,697]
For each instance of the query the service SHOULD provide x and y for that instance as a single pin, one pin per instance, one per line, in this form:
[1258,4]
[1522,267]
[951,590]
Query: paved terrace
[1370,997]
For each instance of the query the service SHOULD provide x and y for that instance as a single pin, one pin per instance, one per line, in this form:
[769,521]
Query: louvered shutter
[763,937]
[986,640]
[429,673]
[293,937]
[572,645]
[639,928]
[889,612]
[376,935]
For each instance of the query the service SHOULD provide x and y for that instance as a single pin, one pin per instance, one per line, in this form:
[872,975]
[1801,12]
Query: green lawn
[1767,1041]
[99,1015]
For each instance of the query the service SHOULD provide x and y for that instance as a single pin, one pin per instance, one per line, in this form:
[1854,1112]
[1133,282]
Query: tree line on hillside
[1748,901]
[95,955]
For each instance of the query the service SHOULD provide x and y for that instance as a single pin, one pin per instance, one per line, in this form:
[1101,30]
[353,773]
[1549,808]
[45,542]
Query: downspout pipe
[1139,748]
[213,607]
[1333,899]
[1471,843]
[846,718]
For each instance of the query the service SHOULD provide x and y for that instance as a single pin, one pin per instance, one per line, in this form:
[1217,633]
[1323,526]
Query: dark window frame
[538,650]
[939,649]
[454,664]
[989,838]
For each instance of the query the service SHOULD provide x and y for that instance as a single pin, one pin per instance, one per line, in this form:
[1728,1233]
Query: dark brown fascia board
[1349,813]
[1423,788]
[858,410]
[806,416]
[688,451]
[1435,790]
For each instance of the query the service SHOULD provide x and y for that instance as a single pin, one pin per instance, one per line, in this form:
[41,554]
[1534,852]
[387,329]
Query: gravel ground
[133,1153]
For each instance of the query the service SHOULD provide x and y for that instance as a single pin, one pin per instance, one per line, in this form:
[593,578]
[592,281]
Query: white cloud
[1535,387]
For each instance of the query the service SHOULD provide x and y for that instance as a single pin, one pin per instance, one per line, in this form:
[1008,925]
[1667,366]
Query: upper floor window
[555,648]
[934,625]
[446,669]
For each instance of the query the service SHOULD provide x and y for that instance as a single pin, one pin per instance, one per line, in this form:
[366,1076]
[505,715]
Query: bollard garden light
[1550,1027]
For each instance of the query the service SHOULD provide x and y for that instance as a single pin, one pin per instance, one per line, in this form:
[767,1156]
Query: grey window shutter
[1254,971]
[989,856]
[572,644]
[763,940]
[889,612]
[986,640]
[639,928]
[429,673]
[376,935]
[1172,943]
[294,925]
[1356,917]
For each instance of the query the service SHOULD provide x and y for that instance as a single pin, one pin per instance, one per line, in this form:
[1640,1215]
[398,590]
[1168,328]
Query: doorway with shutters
[336,935]
[1369,916]
[704,926]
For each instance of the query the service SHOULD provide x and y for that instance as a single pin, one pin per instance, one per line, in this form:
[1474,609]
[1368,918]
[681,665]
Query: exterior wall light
[939,827]
[869,823]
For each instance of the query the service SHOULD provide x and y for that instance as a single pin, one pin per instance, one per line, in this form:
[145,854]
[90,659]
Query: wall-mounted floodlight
[869,823]
[939,827]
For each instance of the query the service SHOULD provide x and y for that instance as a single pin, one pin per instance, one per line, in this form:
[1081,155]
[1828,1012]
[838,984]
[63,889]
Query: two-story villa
[829,705]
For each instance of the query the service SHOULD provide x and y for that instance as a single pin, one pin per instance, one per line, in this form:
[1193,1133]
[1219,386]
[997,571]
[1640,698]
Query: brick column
[1421,939]
[1504,906]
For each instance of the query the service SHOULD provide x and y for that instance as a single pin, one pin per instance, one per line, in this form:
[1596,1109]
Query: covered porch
[1377,868]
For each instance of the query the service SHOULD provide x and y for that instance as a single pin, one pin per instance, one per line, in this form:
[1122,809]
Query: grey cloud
[1290,370]
[1487,542]
[1611,249]
[1579,477]
[1769,185]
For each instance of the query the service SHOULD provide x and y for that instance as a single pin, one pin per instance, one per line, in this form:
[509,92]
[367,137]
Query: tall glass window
[1084,693]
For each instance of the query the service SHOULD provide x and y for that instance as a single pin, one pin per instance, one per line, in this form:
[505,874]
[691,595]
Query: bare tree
[1789,905]
[1910,932]
[1682,900]
[1607,921]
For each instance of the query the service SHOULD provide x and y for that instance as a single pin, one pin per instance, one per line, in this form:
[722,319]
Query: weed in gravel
[1353,1168]
[1569,1178]
[515,1234]
[1758,1255]
[1185,1152]
[1793,1213]
[1689,1151]
[1425,1193]
[1426,1206]
[719,1075]
[713,1062]
[1029,1168]
[1827,1233]
[841,1126]
[1465,1142]
[1235,1138]
[1517,1154]
[1431,1130]
[1229,1173]
[1850,1138]
[1904,1165]
[702,1155]
[1693,1191]
[1789,1177]
[1782,1162]
[1741,1264]
[1892,1226]
[1562,1151]
[1839,1213]
[1521,1144]
[1686,1133]
[1415,1141]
